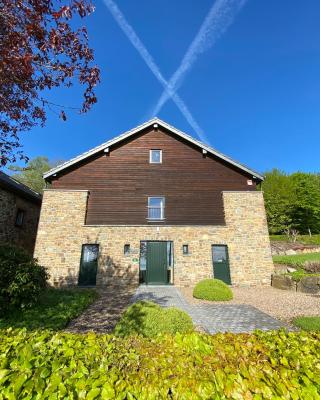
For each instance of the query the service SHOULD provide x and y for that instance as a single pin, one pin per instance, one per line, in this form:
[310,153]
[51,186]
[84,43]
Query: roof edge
[137,129]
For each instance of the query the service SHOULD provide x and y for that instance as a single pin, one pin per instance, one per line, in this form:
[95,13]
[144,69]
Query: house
[19,213]
[154,206]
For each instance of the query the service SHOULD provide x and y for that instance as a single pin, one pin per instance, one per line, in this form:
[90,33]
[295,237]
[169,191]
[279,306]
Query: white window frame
[150,156]
[162,208]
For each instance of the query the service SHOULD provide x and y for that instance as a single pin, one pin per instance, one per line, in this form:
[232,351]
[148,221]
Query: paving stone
[212,318]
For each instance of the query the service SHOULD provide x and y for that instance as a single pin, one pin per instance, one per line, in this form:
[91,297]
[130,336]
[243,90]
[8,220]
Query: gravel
[280,304]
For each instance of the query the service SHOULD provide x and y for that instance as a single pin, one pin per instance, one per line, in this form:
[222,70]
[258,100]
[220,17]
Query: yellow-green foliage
[149,319]
[48,365]
[212,289]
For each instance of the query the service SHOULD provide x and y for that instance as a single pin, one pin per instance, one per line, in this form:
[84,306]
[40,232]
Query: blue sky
[255,93]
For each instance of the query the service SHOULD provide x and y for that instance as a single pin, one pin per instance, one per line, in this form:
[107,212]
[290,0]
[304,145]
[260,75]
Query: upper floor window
[155,156]
[19,217]
[156,207]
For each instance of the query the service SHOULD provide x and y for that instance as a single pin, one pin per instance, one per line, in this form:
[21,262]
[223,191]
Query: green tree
[278,193]
[305,210]
[32,174]
[292,201]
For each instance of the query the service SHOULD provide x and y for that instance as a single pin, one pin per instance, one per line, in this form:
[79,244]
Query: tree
[32,174]
[278,194]
[306,202]
[292,201]
[40,50]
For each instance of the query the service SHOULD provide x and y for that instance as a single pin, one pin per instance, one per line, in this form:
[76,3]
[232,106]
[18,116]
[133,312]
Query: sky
[253,88]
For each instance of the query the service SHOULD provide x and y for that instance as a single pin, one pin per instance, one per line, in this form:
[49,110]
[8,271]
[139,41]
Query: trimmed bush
[149,319]
[213,290]
[21,279]
[265,365]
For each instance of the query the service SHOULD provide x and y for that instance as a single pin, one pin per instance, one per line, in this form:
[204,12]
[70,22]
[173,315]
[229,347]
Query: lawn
[54,310]
[305,239]
[308,323]
[296,260]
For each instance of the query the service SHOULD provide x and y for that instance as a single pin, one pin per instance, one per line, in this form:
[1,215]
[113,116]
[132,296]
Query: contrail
[146,56]
[219,18]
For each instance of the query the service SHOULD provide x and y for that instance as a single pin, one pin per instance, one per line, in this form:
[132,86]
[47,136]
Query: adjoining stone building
[19,213]
[154,206]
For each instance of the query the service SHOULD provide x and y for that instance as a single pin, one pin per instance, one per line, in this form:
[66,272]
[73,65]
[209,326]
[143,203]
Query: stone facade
[22,236]
[62,232]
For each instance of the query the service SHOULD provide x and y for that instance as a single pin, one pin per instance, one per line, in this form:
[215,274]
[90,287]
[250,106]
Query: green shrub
[212,289]
[265,365]
[21,279]
[149,319]
[308,323]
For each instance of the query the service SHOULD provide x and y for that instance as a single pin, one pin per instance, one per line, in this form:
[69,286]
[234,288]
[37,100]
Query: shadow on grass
[54,310]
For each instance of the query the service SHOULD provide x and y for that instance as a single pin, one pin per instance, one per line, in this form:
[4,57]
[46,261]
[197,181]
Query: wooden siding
[120,182]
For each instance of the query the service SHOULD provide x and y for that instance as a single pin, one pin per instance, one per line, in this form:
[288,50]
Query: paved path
[105,312]
[212,318]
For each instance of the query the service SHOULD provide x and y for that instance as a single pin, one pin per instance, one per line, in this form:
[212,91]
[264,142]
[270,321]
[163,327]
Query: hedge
[269,365]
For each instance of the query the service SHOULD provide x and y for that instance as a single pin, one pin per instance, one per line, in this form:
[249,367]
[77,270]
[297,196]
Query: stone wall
[22,236]
[62,232]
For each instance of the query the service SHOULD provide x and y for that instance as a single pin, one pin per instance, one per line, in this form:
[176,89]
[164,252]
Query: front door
[88,265]
[221,269]
[157,268]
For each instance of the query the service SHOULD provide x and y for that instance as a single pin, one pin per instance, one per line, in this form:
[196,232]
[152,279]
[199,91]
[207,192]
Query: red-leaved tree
[40,50]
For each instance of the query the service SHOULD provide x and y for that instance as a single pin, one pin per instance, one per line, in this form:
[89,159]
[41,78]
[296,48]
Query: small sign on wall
[249,182]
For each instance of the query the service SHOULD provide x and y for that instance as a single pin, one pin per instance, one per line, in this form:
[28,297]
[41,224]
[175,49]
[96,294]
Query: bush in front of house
[149,319]
[265,365]
[21,279]
[213,290]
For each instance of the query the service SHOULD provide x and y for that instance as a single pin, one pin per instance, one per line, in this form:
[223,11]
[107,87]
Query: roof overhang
[105,147]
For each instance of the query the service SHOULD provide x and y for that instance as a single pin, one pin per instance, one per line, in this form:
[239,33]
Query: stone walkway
[105,312]
[212,318]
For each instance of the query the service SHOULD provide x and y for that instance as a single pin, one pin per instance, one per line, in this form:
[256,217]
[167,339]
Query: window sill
[156,220]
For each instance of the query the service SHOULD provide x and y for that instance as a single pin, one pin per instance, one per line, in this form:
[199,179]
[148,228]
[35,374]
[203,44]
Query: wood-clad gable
[120,182]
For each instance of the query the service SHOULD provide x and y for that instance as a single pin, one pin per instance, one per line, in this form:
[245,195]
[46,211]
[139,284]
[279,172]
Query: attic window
[155,157]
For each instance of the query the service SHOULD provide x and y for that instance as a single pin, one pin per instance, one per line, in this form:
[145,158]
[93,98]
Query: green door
[157,271]
[88,265]
[220,258]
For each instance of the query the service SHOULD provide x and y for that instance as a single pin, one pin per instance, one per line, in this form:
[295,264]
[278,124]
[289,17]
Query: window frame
[150,156]
[162,208]
[20,211]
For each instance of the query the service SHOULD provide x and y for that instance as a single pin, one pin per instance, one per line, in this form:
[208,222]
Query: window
[155,156]
[19,217]
[156,208]
[126,249]
[185,249]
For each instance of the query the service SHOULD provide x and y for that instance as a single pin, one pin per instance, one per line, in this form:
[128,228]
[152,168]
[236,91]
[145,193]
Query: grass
[296,260]
[307,323]
[55,309]
[304,239]
[213,290]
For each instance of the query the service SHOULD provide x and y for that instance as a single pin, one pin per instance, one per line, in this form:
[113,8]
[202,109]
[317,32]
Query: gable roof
[11,185]
[139,128]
